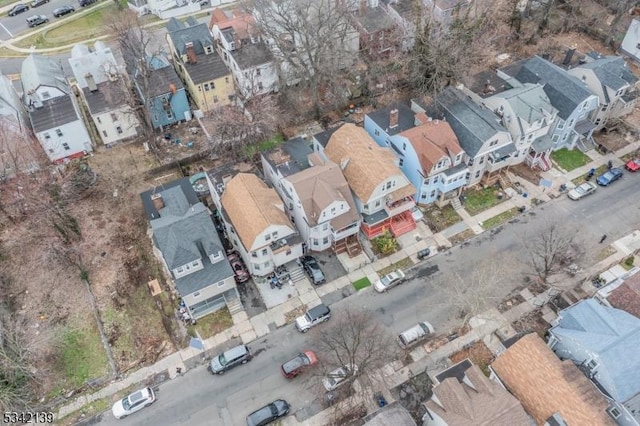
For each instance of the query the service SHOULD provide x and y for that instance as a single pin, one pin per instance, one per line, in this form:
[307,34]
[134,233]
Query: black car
[268,413]
[18,8]
[64,10]
[36,3]
[312,268]
[84,3]
[36,20]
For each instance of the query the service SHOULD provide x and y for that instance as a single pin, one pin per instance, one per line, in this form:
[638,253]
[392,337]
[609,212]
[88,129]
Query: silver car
[582,190]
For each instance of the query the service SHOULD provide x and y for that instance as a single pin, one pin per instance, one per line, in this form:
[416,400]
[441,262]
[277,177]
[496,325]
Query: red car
[633,165]
[295,366]
[239,270]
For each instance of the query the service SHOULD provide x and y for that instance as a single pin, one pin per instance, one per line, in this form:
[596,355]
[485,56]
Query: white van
[415,334]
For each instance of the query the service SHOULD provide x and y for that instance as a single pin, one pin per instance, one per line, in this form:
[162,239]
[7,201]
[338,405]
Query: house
[165,9]
[376,28]
[382,193]
[526,112]
[487,144]
[613,82]
[250,60]
[627,296]
[160,90]
[316,196]
[186,242]
[603,343]
[630,45]
[569,95]
[20,151]
[52,109]
[552,391]
[443,12]
[105,93]
[428,151]
[403,13]
[465,396]
[254,220]
[199,65]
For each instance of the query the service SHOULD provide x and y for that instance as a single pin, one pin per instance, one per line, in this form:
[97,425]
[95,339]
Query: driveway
[329,264]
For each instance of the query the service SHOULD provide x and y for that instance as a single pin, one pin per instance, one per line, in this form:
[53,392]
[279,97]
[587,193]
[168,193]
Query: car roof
[238,350]
[321,309]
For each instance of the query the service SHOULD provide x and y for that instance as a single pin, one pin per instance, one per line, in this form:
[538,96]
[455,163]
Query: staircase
[233,302]
[456,204]
[296,273]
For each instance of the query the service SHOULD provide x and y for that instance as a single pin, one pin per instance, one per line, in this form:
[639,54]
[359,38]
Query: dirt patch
[509,303]
[412,393]
[525,172]
[291,316]
[478,353]
[532,323]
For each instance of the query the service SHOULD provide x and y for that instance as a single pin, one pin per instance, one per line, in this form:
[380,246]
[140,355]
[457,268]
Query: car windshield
[386,280]
[607,176]
[125,403]
[222,360]
[582,189]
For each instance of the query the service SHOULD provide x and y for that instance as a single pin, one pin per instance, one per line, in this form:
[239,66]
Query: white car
[339,377]
[133,402]
[582,190]
[390,280]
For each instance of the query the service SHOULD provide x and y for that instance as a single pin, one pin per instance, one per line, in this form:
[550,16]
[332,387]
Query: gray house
[186,241]
[631,43]
[604,343]
[568,94]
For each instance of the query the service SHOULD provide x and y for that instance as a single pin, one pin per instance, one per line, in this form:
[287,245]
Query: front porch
[350,245]
[398,225]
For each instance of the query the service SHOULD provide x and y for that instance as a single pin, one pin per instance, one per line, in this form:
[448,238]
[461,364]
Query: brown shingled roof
[545,385]
[367,164]
[483,403]
[627,296]
[252,206]
[432,140]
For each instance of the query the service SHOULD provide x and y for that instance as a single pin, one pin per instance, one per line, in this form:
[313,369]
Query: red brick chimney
[393,118]
[191,54]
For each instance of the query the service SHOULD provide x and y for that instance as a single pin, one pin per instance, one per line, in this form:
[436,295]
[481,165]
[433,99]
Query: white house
[611,79]
[165,9]
[54,114]
[631,43]
[105,93]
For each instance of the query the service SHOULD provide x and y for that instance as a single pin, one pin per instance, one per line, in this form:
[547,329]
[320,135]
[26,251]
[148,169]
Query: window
[180,270]
[404,146]
[254,254]
[267,237]
[50,151]
[401,162]
[215,99]
[325,240]
[47,136]
[58,132]
[377,203]
[221,284]
[98,120]
[274,235]
[560,125]
[423,196]
[388,185]
[258,71]
[206,87]
[333,210]
[226,80]
[196,294]
[264,252]
[104,133]
[604,107]
[555,138]
[256,266]
[314,241]
[246,74]
[615,413]
[45,95]
[66,146]
[376,132]
[195,264]
[119,130]
[592,364]
[571,122]
[493,143]
[478,174]
[433,194]
[114,117]
[481,160]
[170,115]
[325,226]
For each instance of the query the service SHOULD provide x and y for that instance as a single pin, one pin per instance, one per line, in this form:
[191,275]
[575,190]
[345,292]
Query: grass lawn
[480,199]
[442,218]
[361,283]
[212,324]
[264,145]
[401,264]
[8,53]
[81,356]
[569,160]
[583,178]
[500,219]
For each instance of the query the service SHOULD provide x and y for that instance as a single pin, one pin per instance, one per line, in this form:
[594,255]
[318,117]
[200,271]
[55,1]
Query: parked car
[229,359]
[415,334]
[609,177]
[582,190]
[339,376]
[312,268]
[36,20]
[133,402]
[36,3]
[268,413]
[240,271]
[424,253]
[417,215]
[18,8]
[313,317]
[633,165]
[64,10]
[84,3]
[392,279]
[298,364]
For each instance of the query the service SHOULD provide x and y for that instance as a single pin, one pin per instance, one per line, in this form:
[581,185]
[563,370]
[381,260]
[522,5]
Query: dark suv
[312,268]
[18,8]
[269,413]
[84,3]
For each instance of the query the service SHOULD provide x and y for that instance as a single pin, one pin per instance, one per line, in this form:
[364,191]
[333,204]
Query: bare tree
[311,40]
[353,338]
[550,248]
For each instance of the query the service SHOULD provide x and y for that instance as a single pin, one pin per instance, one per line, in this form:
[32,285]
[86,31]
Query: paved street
[199,398]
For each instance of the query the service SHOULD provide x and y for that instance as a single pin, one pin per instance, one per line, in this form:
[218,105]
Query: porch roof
[584,127]
[543,143]
[371,219]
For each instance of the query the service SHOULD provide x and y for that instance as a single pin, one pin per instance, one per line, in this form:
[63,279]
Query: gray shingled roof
[252,55]
[612,71]
[38,70]
[565,91]
[209,67]
[472,124]
[528,102]
[611,333]
[161,80]
[406,118]
[181,34]
[110,95]
[295,150]
[53,113]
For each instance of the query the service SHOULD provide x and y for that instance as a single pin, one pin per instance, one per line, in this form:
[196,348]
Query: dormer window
[592,364]
[267,237]
[45,95]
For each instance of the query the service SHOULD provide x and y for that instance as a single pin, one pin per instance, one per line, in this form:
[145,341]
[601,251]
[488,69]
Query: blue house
[167,101]
[604,343]
[428,151]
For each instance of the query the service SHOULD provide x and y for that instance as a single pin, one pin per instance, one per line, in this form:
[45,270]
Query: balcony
[345,232]
[400,206]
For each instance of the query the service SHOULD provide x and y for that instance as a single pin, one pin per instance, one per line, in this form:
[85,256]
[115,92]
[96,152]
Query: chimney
[173,88]
[568,56]
[393,118]
[191,54]
[91,83]
[157,200]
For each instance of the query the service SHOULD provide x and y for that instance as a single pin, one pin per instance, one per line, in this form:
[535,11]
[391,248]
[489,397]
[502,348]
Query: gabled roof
[252,55]
[364,164]
[529,102]
[252,207]
[545,385]
[611,333]
[565,91]
[627,296]
[161,81]
[209,67]
[318,187]
[38,70]
[382,117]
[472,124]
[191,32]
[475,401]
[432,140]
[54,113]
[290,157]
[111,95]
[612,71]
[241,23]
